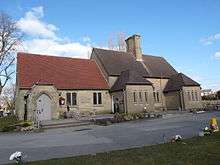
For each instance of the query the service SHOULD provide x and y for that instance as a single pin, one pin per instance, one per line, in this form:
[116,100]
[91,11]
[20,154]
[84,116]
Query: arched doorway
[44,107]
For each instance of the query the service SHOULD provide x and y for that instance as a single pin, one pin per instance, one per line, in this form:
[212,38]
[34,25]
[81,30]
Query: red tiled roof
[62,72]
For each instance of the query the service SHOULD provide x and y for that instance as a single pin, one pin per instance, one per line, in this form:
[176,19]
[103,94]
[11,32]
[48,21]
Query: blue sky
[185,32]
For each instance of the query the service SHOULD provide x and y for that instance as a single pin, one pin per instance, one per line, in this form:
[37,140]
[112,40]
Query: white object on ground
[201,134]
[15,156]
[200,112]
[178,137]
[206,128]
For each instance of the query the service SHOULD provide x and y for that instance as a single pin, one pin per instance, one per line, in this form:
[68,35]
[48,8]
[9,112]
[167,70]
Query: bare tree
[8,96]
[117,41]
[121,41]
[10,38]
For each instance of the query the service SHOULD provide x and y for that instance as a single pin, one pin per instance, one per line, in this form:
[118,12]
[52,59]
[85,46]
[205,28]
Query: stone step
[65,124]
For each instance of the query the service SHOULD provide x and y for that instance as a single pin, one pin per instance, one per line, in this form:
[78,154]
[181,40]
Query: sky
[185,32]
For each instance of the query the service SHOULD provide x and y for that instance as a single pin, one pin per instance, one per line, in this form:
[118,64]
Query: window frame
[188,95]
[146,96]
[134,97]
[140,96]
[192,93]
[97,98]
[196,96]
[71,98]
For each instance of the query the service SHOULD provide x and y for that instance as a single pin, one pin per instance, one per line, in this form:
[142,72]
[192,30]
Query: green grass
[199,150]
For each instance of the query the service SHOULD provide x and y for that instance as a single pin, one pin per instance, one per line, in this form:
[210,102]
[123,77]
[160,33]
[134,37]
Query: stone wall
[84,101]
[173,100]
[120,96]
[139,105]
[189,103]
[19,103]
[159,85]
[210,104]
[111,80]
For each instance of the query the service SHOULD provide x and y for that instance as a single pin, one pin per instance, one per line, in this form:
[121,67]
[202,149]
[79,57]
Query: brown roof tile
[129,77]
[158,66]
[177,81]
[62,72]
[116,62]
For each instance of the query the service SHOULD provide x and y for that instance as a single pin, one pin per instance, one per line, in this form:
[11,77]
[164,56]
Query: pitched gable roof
[129,77]
[115,62]
[177,81]
[158,66]
[62,72]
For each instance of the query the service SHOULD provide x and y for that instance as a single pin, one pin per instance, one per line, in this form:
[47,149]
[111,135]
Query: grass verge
[198,150]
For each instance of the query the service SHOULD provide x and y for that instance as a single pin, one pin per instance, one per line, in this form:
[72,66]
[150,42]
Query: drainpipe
[125,101]
[181,99]
[25,107]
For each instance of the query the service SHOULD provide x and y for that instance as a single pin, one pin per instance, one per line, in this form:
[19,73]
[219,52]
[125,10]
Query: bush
[24,124]
[8,128]
[128,117]
[7,122]
[103,122]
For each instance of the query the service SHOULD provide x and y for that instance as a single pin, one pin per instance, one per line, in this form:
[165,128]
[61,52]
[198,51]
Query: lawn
[199,150]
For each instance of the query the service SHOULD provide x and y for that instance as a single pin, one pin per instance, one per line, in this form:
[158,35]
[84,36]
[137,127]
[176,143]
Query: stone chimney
[134,46]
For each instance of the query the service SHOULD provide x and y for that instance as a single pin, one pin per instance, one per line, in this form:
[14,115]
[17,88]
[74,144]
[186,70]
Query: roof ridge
[50,56]
[112,50]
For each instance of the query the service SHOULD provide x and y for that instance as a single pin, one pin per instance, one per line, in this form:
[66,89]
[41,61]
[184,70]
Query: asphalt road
[93,139]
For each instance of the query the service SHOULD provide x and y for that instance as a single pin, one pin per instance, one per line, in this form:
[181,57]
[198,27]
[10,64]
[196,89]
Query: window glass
[192,96]
[134,96]
[154,96]
[68,98]
[74,99]
[158,97]
[140,96]
[94,98]
[196,96]
[189,98]
[99,98]
[146,96]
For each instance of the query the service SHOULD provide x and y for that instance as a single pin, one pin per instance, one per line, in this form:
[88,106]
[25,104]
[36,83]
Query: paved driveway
[75,141]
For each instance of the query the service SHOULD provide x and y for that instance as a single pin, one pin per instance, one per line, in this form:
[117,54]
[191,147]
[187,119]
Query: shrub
[103,122]
[128,116]
[25,124]
[7,122]
[8,128]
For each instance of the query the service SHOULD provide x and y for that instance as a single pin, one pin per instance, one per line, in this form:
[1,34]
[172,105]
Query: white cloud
[32,25]
[51,47]
[43,39]
[217,55]
[210,39]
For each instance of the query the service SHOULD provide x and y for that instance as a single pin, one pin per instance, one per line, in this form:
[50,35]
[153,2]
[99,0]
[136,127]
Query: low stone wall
[211,104]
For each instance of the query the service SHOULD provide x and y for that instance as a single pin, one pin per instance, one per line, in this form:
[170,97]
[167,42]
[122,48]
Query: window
[156,96]
[193,99]
[134,96]
[140,96]
[97,98]
[196,96]
[146,96]
[71,98]
[188,94]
